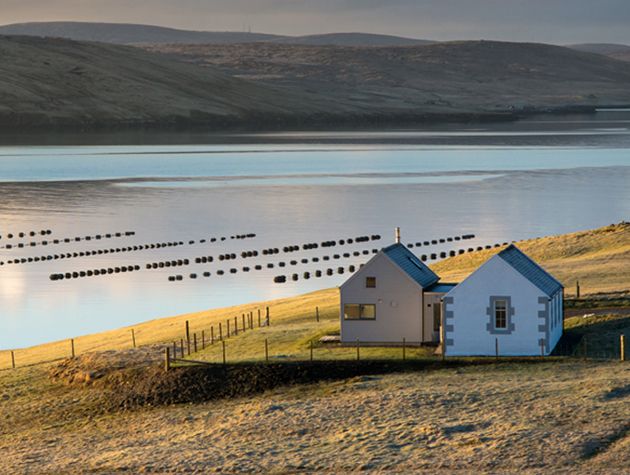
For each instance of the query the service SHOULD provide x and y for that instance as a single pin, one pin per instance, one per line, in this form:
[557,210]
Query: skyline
[550,21]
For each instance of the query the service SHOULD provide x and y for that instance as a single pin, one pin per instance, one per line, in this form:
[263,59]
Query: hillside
[264,85]
[615,51]
[62,82]
[457,76]
[130,34]
[599,259]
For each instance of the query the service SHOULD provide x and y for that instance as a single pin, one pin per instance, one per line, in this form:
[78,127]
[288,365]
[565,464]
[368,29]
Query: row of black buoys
[246,254]
[163,264]
[94,272]
[43,232]
[203,259]
[270,251]
[226,257]
[280,279]
[70,255]
[440,241]
[243,236]
[68,240]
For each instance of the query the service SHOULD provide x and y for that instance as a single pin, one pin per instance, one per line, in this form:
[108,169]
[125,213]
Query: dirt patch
[90,367]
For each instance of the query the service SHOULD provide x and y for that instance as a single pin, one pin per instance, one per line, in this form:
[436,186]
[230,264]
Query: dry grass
[556,417]
[599,259]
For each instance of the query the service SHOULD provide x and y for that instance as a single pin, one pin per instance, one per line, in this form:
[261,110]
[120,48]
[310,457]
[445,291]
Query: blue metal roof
[440,287]
[530,270]
[413,267]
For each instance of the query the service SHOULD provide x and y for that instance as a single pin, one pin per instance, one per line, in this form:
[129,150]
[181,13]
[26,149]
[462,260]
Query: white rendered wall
[471,298]
[398,301]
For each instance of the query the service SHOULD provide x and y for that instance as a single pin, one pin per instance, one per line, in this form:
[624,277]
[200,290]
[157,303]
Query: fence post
[212,334]
[175,350]
[223,349]
[251,320]
[311,351]
[187,332]
[267,315]
[181,345]
[220,331]
[195,342]
[404,348]
[188,345]
[133,338]
[577,289]
[244,327]
[203,339]
[167,359]
[266,351]
[227,332]
[358,355]
[12,359]
[72,346]
[235,325]
[317,314]
[622,347]
[259,318]
[496,348]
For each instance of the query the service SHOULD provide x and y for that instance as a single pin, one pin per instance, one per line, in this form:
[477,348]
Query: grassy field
[599,258]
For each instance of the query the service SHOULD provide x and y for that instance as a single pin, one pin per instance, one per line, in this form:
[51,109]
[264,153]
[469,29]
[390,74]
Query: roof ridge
[513,247]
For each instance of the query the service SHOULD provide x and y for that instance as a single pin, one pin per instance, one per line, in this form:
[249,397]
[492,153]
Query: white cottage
[394,296]
[510,305]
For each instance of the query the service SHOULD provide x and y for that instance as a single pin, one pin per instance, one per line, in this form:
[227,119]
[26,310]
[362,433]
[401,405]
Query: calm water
[501,182]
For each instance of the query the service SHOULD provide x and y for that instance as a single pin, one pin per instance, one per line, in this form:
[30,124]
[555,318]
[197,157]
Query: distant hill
[59,82]
[446,76]
[616,51]
[123,33]
[351,39]
[132,34]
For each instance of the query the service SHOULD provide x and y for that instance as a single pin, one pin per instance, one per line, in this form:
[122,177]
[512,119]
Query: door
[437,320]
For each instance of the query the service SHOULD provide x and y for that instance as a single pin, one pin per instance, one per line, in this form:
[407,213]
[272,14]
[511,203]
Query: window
[359,311]
[500,314]
[370,282]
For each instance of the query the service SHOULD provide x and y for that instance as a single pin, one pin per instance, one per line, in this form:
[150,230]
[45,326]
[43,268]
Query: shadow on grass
[593,337]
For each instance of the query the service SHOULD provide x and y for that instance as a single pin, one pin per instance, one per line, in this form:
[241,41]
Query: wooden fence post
[175,350]
[404,350]
[266,351]
[223,348]
[317,314]
[251,320]
[133,338]
[358,355]
[267,316]
[227,332]
[577,289]
[212,334]
[181,345]
[72,346]
[12,359]
[188,345]
[220,332]
[188,332]
[167,359]
[311,351]
[195,342]
[203,339]
[244,327]
[259,325]
[622,347]
[496,348]
[235,325]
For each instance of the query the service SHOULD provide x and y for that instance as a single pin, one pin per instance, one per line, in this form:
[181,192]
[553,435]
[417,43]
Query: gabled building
[510,305]
[393,296]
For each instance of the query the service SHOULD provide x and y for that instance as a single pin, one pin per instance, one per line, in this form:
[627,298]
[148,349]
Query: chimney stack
[397,235]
